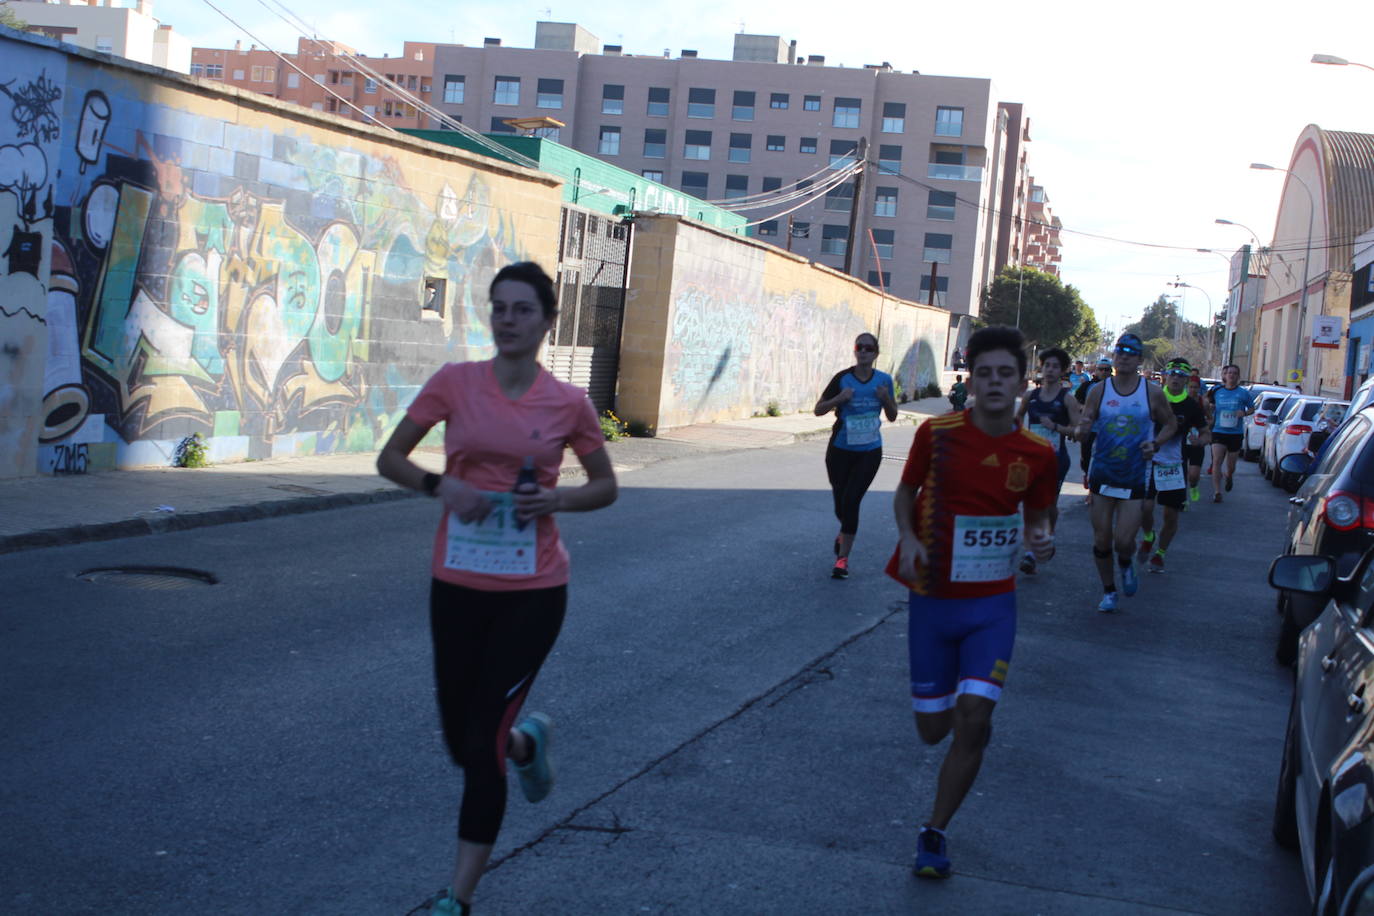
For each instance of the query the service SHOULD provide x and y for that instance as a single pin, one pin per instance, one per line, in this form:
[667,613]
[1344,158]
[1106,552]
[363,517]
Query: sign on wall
[1326,331]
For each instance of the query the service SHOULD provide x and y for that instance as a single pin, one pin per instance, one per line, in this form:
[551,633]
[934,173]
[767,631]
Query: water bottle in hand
[523,482]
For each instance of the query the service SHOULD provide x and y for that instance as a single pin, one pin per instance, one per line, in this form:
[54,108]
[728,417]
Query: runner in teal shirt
[1231,405]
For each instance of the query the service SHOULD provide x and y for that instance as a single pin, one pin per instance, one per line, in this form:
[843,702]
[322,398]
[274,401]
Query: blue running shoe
[931,861]
[445,902]
[1129,581]
[1108,603]
[536,774]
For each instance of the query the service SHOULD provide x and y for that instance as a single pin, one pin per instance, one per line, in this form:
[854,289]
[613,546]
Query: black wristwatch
[430,484]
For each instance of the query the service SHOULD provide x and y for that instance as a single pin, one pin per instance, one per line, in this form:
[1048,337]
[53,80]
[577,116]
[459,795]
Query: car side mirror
[1304,573]
[1296,463]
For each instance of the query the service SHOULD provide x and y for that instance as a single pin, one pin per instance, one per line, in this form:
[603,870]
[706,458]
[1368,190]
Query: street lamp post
[1335,61]
[1210,317]
[1298,361]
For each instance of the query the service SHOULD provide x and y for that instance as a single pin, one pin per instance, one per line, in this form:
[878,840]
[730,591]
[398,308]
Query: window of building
[884,201]
[609,143]
[105,45]
[386,108]
[658,102]
[319,106]
[698,145]
[701,103]
[834,238]
[255,74]
[940,205]
[736,186]
[941,289]
[768,229]
[949,122]
[197,69]
[772,184]
[776,143]
[269,74]
[743,107]
[346,78]
[1037,195]
[804,183]
[840,198]
[214,71]
[740,147]
[806,145]
[653,175]
[655,143]
[778,100]
[238,74]
[612,99]
[333,77]
[454,87]
[695,183]
[894,117]
[937,247]
[369,85]
[293,80]
[548,94]
[544,133]
[507,91]
[882,282]
[499,126]
[883,241]
[842,153]
[410,81]
[435,295]
[331,104]
[846,113]
[889,160]
[800,229]
[811,103]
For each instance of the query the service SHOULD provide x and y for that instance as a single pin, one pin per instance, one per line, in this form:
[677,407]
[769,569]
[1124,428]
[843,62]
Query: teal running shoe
[449,905]
[931,858]
[536,774]
[1108,603]
[1129,581]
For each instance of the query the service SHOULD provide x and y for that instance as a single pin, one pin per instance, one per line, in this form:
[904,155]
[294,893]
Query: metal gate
[584,348]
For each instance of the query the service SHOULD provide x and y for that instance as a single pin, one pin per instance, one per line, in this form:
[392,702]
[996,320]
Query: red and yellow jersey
[967,515]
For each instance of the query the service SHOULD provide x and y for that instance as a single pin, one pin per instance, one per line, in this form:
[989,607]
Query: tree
[1166,337]
[10,18]
[1049,313]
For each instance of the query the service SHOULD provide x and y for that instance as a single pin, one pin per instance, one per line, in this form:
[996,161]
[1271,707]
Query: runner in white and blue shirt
[1231,404]
[860,396]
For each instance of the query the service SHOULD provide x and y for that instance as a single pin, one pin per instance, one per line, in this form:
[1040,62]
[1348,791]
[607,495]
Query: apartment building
[1041,233]
[128,31]
[929,213]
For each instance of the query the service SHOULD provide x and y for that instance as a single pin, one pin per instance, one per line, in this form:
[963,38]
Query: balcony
[954,172]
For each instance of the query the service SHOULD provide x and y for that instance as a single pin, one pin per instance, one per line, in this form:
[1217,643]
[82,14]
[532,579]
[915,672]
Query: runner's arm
[833,396]
[1163,418]
[599,491]
[393,463]
[1074,409]
[1039,538]
[910,549]
[888,401]
[1088,415]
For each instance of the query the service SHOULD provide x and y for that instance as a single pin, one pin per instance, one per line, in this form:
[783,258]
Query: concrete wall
[176,257]
[716,327]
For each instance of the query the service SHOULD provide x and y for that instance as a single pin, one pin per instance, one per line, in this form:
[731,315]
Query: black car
[1332,515]
[1324,806]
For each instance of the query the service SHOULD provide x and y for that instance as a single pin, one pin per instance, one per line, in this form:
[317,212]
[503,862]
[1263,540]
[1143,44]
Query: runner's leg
[1218,466]
[1169,529]
[1103,508]
[1128,513]
[972,729]
[863,467]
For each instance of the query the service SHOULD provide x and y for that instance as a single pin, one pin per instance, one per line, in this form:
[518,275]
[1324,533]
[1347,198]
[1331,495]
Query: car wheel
[1291,482]
[1285,826]
[1286,650]
[1264,466]
[1276,477]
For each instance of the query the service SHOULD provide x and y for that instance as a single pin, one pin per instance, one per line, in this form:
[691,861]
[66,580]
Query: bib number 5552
[986,538]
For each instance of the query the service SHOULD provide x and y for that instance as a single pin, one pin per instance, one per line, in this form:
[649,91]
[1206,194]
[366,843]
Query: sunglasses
[1183,372]
[1127,351]
[865,348]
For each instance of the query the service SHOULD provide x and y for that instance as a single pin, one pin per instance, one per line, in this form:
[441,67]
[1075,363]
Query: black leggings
[488,647]
[850,474]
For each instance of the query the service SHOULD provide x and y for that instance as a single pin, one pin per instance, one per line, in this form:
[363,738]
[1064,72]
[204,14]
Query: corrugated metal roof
[1349,161]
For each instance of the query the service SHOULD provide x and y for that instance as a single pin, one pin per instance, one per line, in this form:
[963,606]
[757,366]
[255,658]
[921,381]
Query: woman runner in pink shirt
[500,571]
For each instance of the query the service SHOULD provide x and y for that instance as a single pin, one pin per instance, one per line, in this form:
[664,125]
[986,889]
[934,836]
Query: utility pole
[934,275]
[862,153]
[789,231]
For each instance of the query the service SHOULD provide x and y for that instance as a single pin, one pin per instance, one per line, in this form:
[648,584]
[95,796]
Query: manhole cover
[149,577]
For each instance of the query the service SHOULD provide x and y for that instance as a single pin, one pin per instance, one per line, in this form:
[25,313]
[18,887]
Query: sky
[1144,117]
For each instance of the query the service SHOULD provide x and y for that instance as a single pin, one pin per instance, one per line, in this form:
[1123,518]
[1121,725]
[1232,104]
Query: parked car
[1267,398]
[1290,408]
[1322,806]
[1296,432]
[1332,515]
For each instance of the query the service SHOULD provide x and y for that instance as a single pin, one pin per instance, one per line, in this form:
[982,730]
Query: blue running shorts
[958,645]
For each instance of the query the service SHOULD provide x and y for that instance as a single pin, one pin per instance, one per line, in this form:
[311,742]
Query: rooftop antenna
[548,13]
[741,25]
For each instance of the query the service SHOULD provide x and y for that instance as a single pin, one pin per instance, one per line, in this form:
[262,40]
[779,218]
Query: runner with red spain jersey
[961,529]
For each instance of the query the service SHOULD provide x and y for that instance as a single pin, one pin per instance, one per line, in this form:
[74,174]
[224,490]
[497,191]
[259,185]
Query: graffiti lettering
[69,459]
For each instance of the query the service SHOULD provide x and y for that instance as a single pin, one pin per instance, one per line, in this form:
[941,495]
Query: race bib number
[1114,492]
[986,547]
[1044,433]
[861,430]
[1228,418]
[1169,477]
[495,545]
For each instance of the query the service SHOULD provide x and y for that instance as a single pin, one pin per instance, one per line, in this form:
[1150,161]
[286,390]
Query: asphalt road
[734,731]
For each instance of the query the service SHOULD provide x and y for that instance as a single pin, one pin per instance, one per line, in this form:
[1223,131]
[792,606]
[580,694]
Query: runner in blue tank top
[1050,411]
[1129,418]
[860,396]
[1231,404]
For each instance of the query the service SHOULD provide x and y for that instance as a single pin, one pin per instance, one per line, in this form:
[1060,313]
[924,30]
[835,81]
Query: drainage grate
[162,578]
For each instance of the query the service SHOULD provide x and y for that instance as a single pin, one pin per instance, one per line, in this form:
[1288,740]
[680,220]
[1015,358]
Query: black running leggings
[850,474]
[488,647]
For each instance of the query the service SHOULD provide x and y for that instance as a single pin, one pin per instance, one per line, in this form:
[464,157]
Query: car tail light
[1261,419]
[1347,511]
[1298,429]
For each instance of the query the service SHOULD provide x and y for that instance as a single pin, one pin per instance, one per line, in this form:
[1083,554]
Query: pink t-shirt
[487,437]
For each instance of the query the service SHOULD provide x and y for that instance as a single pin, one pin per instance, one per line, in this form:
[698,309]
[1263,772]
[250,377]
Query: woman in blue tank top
[860,396]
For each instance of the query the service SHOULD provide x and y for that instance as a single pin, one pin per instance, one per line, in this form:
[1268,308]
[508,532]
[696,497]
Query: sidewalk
[48,511]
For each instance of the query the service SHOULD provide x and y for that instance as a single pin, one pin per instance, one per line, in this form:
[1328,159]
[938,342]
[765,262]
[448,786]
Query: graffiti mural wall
[220,266]
[740,325]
